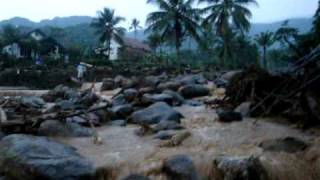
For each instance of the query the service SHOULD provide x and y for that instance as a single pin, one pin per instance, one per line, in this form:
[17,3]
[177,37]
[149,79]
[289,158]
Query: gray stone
[288,145]
[149,99]
[130,94]
[66,105]
[57,128]
[151,81]
[167,125]
[164,135]
[244,109]
[229,116]
[192,91]
[120,123]
[121,111]
[29,157]
[156,113]
[193,103]
[177,98]
[180,167]
[33,101]
[119,100]
[171,85]
[192,79]
[239,168]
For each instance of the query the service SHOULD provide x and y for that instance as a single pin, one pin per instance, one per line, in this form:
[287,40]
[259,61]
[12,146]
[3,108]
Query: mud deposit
[123,152]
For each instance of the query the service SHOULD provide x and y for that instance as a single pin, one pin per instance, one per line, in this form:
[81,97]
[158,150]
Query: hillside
[61,22]
[77,30]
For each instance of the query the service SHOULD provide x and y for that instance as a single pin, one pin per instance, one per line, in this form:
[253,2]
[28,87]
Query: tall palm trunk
[109,49]
[265,64]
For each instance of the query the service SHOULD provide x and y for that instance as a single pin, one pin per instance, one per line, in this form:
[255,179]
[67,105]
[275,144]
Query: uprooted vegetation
[293,94]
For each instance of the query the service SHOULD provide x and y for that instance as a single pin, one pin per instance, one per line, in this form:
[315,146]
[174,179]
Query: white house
[18,50]
[130,46]
[13,50]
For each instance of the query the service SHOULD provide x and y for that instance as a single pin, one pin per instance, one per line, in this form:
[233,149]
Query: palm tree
[106,25]
[226,15]
[265,40]
[288,35]
[174,20]
[154,41]
[135,25]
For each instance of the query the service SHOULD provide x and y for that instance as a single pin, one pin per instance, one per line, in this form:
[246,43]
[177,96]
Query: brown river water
[122,152]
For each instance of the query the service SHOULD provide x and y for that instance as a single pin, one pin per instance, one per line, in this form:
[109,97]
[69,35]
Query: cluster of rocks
[66,112]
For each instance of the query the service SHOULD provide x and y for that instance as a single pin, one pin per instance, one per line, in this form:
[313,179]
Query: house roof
[135,44]
[37,31]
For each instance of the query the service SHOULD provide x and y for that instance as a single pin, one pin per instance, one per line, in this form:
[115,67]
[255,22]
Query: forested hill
[77,30]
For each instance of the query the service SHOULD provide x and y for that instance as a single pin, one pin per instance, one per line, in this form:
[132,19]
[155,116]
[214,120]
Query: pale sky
[36,10]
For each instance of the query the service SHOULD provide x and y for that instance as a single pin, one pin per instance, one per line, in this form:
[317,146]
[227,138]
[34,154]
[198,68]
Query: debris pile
[293,94]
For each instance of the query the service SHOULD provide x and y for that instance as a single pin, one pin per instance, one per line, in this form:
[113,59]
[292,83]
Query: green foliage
[10,34]
[106,25]
[174,20]
[265,40]
[226,15]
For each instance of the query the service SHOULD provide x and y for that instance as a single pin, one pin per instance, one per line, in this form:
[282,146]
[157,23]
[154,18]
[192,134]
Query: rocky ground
[154,127]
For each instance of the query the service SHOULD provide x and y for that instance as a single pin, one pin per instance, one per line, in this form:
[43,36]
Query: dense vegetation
[215,36]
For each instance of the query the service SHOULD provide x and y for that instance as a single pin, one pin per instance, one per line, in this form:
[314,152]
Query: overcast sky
[36,10]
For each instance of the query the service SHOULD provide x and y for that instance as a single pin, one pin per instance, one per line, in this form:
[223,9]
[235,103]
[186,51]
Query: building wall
[12,50]
[114,54]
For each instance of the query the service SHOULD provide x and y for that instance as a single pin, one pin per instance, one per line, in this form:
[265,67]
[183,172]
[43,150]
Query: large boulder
[130,94]
[119,100]
[192,91]
[33,102]
[177,98]
[167,125]
[171,85]
[192,79]
[180,167]
[229,116]
[151,81]
[288,145]
[149,99]
[156,113]
[68,129]
[25,157]
[121,111]
[239,168]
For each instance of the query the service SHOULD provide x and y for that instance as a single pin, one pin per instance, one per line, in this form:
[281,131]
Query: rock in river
[156,113]
[180,167]
[288,145]
[68,129]
[25,157]
[192,91]
[239,168]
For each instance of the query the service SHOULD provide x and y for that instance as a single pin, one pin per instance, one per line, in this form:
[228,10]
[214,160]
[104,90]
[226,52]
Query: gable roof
[37,31]
[135,44]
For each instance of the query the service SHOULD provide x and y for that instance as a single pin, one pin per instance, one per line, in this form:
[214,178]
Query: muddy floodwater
[124,152]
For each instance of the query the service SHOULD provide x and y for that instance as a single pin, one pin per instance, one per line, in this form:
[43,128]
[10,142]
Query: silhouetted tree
[265,40]
[174,20]
[135,25]
[106,25]
[226,15]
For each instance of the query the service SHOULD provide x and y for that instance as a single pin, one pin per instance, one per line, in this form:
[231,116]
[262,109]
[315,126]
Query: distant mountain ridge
[78,31]
[61,22]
